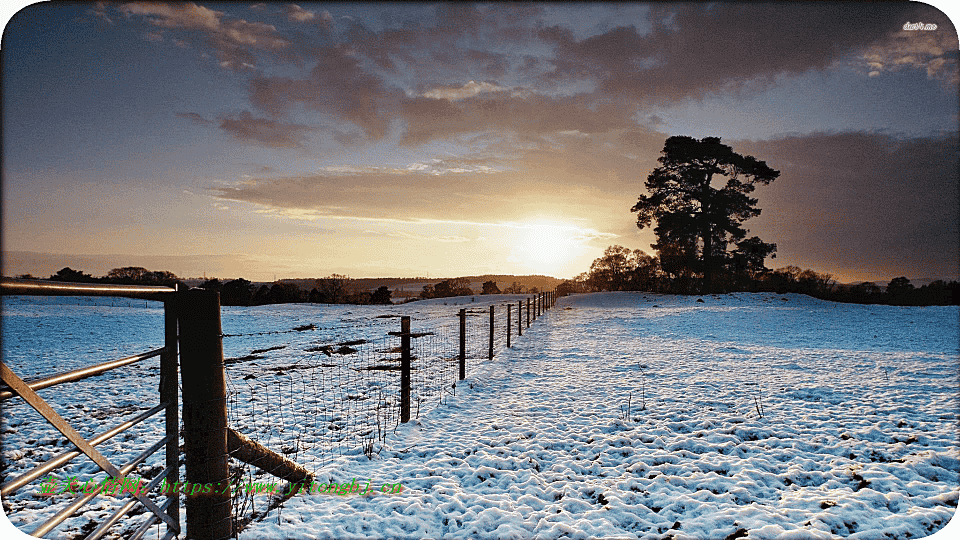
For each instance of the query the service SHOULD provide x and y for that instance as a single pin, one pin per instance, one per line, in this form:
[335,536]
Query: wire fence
[339,392]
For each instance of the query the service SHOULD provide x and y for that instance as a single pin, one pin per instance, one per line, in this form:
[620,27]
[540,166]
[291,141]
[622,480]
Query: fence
[341,390]
[345,394]
[169,511]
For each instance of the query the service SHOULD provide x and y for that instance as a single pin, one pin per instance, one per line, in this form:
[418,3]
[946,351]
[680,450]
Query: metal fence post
[508,325]
[209,515]
[405,369]
[463,344]
[169,393]
[490,355]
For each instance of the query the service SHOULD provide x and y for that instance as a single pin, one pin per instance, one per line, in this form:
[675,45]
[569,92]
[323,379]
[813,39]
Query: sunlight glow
[547,247]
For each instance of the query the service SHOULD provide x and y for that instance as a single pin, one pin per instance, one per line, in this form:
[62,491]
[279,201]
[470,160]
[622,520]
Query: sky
[399,140]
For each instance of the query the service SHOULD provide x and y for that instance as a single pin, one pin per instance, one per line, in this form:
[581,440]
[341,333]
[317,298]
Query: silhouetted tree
[238,292]
[747,262]
[687,207]
[285,293]
[333,288]
[381,296]
[899,286]
[609,273]
[490,287]
[678,260]
[137,275]
[128,275]
[262,296]
[452,287]
[643,273]
[427,292]
[71,275]
[213,285]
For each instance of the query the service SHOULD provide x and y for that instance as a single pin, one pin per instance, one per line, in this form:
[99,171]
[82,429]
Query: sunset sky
[373,140]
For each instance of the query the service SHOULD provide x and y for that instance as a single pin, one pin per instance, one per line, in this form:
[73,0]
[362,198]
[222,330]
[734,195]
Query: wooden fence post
[169,393]
[490,355]
[463,344]
[528,312]
[405,369]
[519,317]
[209,515]
[508,325]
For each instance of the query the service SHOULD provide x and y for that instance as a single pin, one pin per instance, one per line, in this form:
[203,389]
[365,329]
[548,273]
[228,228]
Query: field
[622,415]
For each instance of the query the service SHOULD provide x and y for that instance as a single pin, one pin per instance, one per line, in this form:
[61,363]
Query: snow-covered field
[616,415]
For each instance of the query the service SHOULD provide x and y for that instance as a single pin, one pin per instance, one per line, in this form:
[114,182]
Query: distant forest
[620,269]
[333,289]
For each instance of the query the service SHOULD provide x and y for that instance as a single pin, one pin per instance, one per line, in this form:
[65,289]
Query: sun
[547,247]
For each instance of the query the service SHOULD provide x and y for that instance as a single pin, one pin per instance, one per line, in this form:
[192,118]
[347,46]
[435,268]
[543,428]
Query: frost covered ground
[858,436]
[626,415]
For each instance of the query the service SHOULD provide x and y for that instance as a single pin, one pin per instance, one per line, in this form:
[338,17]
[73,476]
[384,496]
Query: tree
[381,296]
[460,286]
[128,274]
[899,290]
[689,211]
[262,296]
[285,293]
[427,292]
[71,275]
[515,288]
[238,292]
[747,264]
[330,290]
[490,287]
[609,273]
[137,275]
[643,273]
[213,285]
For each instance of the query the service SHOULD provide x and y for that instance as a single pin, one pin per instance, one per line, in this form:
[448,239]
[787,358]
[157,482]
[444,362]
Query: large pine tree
[691,214]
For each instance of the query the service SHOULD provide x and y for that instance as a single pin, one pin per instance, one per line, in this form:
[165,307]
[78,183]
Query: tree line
[334,289]
[461,287]
[702,245]
[620,269]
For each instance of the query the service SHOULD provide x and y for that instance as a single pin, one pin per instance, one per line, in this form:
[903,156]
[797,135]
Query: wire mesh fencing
[326,392]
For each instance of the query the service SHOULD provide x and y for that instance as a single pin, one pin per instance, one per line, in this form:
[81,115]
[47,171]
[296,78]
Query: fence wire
[338,393]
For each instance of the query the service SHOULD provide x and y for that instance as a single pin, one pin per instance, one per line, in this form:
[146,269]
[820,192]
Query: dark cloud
[868,202]
[697,49]
[337,85]
[264,131]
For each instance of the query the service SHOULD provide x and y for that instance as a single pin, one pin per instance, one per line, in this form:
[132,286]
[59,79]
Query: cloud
[337,85]
[933,51]
[298,14]
[694,50]
[233,40]
[193,117]
[867,200]
[453,93]
[263,131]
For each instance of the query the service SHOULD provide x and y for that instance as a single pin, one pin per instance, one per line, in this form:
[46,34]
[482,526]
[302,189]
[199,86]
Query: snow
[619,415]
